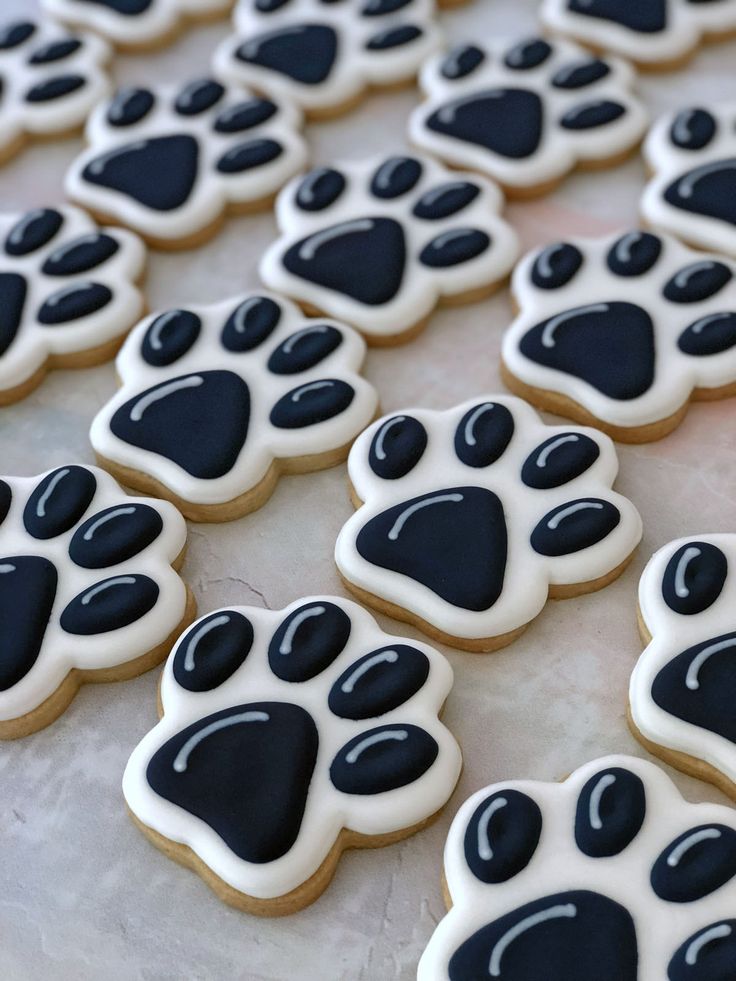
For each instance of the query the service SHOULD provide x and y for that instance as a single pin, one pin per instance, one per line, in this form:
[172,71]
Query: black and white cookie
[87,589]
[49,81]
[170,162]
[217,401]
[609,876]
[527,113]
[67,294]
[325,55]
[682,690]
[135,23]
[692,194]
[379,243]
[653,33]
[469,519]
[622,331]
[286,737]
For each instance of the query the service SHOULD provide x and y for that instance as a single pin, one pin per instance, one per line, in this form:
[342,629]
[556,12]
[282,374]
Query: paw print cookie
[692,156]
[653,33]
[49,82]
[379,243]
[135,24]
[527,113]
[286,737]
[325,55]
[469,519]
[622,332]
[67,294]
[88,591]
[610,876]
[217,401]
[682,690]
[170,163]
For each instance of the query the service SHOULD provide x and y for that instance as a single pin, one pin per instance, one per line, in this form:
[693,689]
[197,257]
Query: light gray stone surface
[83,895]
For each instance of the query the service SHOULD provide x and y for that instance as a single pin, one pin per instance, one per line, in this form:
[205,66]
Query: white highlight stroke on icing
[572,509]
[714,933]
[545,454]
[699,326]
[681,126]
[441,241]
[202,632]
[378,737]
[53,484]
[242,312]
[380,452]
[97,166]
[579,110]
[484,842]
[687,184]
[312,387]
[159,326]
[120,103]
[290,342]
[64,250]
[692,681]
[405,515]
[305,192]
[182,757]
[285,647]
[684,275]
[435,193]
[57,298]
[624,246]
[673,859]
[383,657]
[548,339]
[568,910]
[104,519]
[16,236]
[685,559]
[252,48]
[544,264]
[7,567]
[188,92]
[136,413]
[470,424]
[446,114]
[102,586]
[594,813]
[314,242]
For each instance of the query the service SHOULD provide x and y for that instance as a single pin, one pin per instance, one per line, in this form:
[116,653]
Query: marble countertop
[82,893]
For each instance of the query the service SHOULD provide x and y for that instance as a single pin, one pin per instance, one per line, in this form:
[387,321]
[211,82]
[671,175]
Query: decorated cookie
[622,332]
[170,163]
[49,82]
[469,519]
[67,294]
[379,243]
[326,55]
[286,737]
[653,33]
[135,23]
[683,688]
[609,876]
[87,589]
[217,401]
[527,113]
[692,155]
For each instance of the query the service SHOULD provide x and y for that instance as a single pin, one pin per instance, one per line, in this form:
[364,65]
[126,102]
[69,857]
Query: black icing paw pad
[441,533]
[628,362]
[692,155]
[684,683]
[85,580]
[378,243]
[280,727]
[169,162]
[557,866]
[325,55]
[494,108]
[250,381]
[66,287]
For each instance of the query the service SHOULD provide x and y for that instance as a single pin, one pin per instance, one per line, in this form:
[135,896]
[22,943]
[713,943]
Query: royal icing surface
[471,514]
[323,55]
[169,162]
[526,112]
[626,326]
[692,155]
[683,687]
[66,287]
[648,31]
[380,242]
[281,728]
[610,875]
[85,580]
[212,396]
[134,22]
[49,80]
